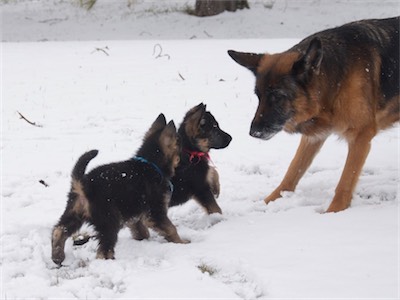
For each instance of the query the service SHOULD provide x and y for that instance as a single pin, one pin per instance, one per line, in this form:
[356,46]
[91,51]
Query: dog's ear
[193,118]
[199,107]
[204,106]
[247,60]
[157,125]
[198,113]
[168,137]
[310,62]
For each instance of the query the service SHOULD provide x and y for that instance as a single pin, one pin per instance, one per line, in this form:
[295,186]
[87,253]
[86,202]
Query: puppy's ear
[197,114]
[250,61]
[168,137]
[310,63]
[199,107]
[202,106]
[157,125]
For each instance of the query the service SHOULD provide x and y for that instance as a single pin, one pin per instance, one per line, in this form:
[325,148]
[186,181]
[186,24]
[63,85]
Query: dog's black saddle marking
[143,160]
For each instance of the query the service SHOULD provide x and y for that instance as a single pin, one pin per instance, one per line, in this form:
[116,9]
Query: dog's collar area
[196,156]
[143,160]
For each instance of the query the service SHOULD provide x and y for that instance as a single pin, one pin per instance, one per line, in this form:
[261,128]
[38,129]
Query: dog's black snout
[220,139]
[228,139]
[260,131]
[256,130]
[224,140]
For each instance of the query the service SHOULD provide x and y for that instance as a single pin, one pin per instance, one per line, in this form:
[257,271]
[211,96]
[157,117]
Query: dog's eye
[277,96]
[202,122]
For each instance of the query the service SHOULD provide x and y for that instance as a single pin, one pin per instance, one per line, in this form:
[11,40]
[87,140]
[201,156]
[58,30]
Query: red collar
[196,156]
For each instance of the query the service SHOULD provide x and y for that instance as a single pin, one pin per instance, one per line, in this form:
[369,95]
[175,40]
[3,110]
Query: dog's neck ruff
[196,156]
[143,160]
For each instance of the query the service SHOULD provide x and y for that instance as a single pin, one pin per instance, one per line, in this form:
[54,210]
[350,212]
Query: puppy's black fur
[135,192]
[194,177]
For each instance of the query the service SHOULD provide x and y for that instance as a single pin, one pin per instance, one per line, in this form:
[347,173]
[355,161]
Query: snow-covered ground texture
[104,95]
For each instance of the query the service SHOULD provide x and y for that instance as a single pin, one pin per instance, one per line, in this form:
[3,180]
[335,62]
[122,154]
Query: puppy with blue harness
[135,192]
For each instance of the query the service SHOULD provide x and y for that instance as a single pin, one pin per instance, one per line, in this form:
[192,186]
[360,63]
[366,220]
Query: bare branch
[101,50]
[207,34]
[160,52]
[180,75]
[29,122]
[43,182]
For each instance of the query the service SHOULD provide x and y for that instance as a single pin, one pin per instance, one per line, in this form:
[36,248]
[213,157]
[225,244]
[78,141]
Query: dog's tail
[80,166]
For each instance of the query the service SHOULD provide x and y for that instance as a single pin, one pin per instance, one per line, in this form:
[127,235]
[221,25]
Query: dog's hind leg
[76,212]
[107,228]
[107,240]
[69,223]
[139,230]
[164,226]
[358,151]
[307,150]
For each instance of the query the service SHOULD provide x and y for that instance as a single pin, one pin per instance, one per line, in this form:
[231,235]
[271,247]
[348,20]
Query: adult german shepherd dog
[135,192]
[343,80]
[195,177]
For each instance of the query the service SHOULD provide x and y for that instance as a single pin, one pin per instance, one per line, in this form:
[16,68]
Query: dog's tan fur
[81,205]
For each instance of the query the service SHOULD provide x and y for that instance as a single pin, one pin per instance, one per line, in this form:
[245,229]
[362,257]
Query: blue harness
[143,160]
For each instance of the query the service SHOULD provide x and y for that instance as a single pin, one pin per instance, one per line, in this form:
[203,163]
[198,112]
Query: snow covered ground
[103,93]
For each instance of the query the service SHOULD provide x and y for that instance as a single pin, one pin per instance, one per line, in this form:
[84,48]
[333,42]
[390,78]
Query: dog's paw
[273,196]
[58,256]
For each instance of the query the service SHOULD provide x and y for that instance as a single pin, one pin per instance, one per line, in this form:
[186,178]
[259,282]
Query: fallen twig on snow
[160,52]
[43,182]
[101,50]
[180,75]
[29,122]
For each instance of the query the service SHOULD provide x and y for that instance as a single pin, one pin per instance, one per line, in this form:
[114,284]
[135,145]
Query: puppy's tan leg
[105,254]
[303,158]
[139,231]
[213,181]
[59,236]
[168,230]
[358,151]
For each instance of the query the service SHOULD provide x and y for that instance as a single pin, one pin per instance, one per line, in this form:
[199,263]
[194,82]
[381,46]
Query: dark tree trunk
[205,8]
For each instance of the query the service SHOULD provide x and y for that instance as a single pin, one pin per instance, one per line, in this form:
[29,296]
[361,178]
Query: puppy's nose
[228,138]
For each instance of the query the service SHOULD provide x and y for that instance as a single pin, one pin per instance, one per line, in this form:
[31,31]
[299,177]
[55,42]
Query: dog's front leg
[207,200]
[303,158]
[358,151]
[165,227]
[139,230]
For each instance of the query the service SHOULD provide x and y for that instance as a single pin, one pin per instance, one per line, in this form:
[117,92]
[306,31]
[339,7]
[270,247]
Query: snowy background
[97,79]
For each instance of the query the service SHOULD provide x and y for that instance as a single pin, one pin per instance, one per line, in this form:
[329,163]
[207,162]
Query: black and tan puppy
[134,192]
[194,177]
[343,80]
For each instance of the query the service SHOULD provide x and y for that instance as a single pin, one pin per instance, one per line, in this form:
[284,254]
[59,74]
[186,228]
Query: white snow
[85,99]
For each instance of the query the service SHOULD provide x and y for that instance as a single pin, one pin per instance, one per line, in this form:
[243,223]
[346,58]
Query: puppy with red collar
[194,177]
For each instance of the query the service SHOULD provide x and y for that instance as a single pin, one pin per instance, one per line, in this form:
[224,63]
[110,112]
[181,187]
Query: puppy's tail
[80,166]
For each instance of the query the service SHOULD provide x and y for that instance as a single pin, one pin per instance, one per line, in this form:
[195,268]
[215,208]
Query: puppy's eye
[202,122]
